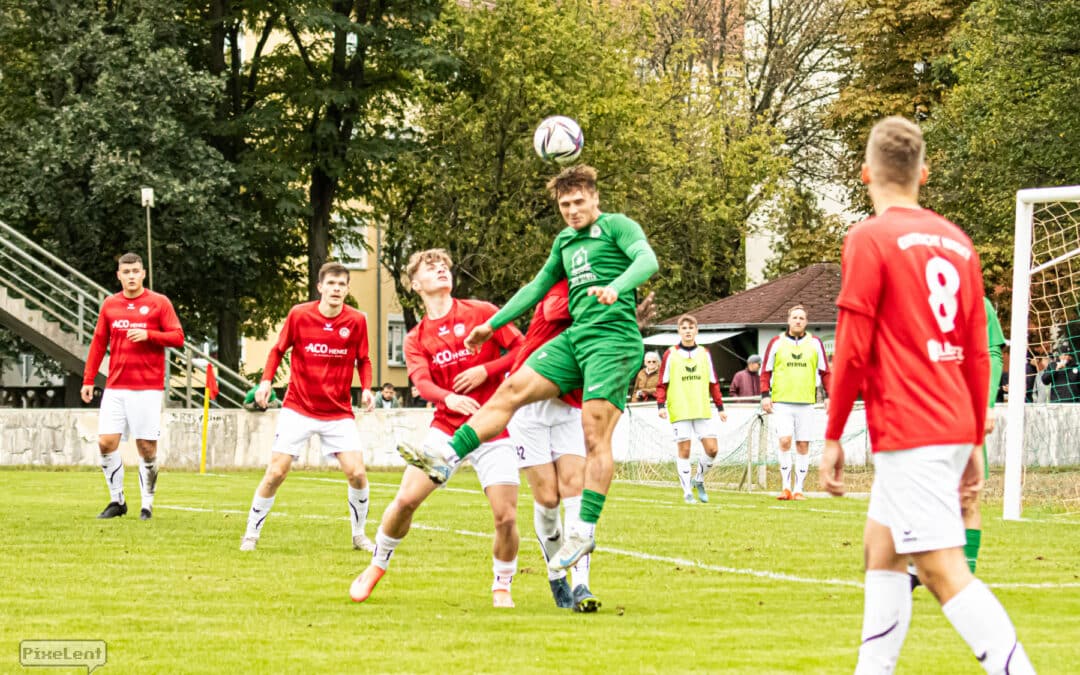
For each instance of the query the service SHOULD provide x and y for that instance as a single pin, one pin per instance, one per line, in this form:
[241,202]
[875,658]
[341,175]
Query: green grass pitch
[744,584]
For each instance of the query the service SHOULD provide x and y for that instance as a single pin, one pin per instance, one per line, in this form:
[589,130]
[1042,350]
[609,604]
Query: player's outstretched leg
[436,463]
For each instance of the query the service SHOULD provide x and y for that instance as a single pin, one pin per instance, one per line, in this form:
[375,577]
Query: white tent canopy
[703,338]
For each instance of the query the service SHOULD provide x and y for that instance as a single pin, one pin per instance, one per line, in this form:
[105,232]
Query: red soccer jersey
[324,353]
[435,354]
[552,317]
[912,332]
[134,365]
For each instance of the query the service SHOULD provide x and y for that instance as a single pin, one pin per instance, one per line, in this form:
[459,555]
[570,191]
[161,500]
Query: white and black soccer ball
[558,139]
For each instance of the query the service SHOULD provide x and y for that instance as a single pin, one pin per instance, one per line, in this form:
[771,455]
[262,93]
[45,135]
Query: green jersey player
[604,257]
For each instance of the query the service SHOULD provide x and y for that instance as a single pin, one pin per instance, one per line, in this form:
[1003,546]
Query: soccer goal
[1045,330]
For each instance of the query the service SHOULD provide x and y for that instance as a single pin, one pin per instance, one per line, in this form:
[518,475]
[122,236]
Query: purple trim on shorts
[883,633]
[1009,660]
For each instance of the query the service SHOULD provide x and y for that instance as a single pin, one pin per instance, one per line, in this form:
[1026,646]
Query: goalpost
[1045,306]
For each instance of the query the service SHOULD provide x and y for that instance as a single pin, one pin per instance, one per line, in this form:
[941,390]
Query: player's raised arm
[643,264]
[525,298]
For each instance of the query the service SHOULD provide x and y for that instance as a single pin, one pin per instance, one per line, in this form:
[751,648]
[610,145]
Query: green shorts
[601,366]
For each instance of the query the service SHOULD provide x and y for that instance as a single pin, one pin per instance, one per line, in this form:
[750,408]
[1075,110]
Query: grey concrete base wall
[241,439]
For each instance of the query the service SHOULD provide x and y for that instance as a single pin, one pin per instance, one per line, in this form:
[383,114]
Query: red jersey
[435,354]
[134,365]
[324,352]
[552,317]
[912,333]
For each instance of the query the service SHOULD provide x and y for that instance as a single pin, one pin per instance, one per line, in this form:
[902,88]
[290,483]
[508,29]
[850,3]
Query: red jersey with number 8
[918,277]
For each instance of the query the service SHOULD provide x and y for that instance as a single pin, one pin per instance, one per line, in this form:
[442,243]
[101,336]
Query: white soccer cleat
[501,598]
[575,545]
[360,542]
[437,467]
[248,543]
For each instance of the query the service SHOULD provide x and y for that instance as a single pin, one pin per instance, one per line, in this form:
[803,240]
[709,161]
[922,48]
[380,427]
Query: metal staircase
[52,306]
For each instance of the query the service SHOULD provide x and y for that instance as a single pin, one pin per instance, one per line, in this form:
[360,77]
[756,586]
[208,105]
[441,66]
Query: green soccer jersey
[996,338]
[612,251]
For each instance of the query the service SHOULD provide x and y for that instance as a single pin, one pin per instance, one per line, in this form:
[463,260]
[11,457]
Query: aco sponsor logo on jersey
[124,324]
[446,357]
[944,352]
[323,349]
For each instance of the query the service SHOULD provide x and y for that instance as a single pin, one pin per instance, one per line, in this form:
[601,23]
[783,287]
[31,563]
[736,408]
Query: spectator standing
[747,382]
[647,378]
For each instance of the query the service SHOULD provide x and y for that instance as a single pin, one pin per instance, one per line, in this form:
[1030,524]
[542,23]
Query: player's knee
[548,500]
[275,474]
[505,516]
[512,391]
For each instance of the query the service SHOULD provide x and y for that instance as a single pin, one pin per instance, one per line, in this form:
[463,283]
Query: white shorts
[294,429]
[495,461]
[544,431]
[131,413]
[794,420]
[688,430]
[916,494]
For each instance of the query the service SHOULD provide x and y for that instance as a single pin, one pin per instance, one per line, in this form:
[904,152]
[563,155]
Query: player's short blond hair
[577,177]
[895,152]
[421,257]
[796,308]
[687,318]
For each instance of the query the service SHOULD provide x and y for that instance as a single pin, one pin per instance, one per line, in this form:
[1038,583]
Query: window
[395,340]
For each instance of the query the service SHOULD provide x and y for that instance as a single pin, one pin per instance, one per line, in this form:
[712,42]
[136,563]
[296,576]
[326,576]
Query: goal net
[1042,433]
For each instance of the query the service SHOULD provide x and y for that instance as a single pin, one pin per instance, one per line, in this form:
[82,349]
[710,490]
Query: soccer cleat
[113,510]
[560,590]
[360,542]
[574,546]
[146,513]
[699,486]
[584,601]
[785,496]
[363,585]
[501,598]
[798,497]
[688,498]
[248,543]
[437,468]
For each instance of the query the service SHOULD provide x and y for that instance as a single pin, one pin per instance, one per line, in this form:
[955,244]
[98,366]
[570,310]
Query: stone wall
[241,439]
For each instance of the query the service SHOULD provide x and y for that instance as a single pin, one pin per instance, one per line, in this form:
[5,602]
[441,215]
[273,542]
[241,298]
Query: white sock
[260,511]
[983,623]
[886,617]
[802,465]
[113,467]
[703,465]
[683,467]
[358,508]
[504,571]
[546,525]
[785,469]
[579,573]
[384,548]
[147,481]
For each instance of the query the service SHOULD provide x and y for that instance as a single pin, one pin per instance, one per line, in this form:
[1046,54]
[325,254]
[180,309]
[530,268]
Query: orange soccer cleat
[785,496]
[364,584]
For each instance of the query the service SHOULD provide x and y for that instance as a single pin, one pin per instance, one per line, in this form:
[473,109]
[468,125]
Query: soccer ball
[558,139]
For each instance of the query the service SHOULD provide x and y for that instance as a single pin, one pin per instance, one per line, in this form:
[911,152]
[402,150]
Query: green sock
[592,503]
[971,548]
[464,441]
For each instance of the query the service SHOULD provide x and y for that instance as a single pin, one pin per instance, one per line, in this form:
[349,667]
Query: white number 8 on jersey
[943,281]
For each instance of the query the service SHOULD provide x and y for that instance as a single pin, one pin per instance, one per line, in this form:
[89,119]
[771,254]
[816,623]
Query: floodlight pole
[148,202]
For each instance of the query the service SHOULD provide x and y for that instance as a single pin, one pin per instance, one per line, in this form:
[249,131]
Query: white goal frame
[1018,346]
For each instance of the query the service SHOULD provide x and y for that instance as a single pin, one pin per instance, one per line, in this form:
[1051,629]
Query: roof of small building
[815,287]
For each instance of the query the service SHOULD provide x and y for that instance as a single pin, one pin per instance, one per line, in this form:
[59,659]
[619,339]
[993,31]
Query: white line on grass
[744,571]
